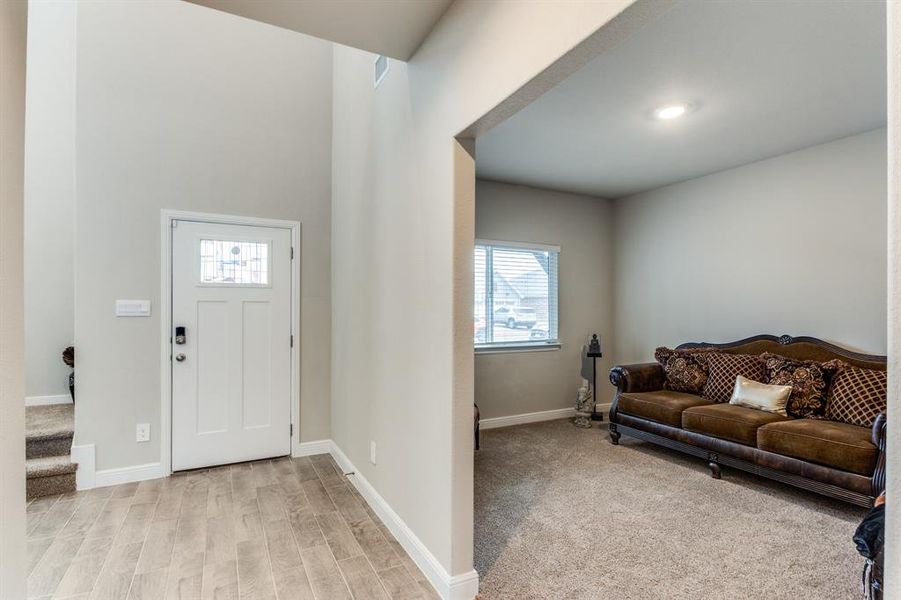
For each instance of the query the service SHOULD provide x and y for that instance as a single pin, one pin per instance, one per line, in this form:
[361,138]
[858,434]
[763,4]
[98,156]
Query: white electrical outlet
[372,452]
[142,433]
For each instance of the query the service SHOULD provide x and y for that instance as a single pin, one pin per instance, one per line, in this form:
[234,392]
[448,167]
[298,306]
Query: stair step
[49,475]
[49,430]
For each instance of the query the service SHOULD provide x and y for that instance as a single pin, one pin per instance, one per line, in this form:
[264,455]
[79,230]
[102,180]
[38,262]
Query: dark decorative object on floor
[69,359]
[594,353]
[870,541]
[475,423]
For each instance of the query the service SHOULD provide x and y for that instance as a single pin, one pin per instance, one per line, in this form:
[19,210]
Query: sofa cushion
[686,370]
[729,422]
[857,396]
[809,380]
[664,406]
[723,369]
[838,445]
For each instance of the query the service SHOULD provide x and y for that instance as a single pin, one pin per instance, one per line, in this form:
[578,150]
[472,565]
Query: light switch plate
[142,432]
[372,452]
[132,308]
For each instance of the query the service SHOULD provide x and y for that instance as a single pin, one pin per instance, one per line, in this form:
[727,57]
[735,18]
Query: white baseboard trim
[109,477]
[299,449]
[83,455]
[458,587]
[534,417]
[45,400]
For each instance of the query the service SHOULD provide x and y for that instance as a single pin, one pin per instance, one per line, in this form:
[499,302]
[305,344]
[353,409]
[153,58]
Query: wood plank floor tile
[320,501]
[126,490]
[304,469]
[169,503]
[306,529]
[280,544]
[118,572]
[272,504]
[40,505]
[280,529]
[400,585]
[45,577]
[361,579]
[84,516]
[149,586]
[85,567]
[350,507]
[220,580]
[338,535]
[136,524]
[327,473]
[157,552]
[55,519]
[254,572]
[323,572]
[190,539]
[248,526]
[110,519]
[185,577]
[374,545]
[293,584]
[220,540]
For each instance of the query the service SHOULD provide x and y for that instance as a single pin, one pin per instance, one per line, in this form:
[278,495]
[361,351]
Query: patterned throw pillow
[686,370]
[725,368]
[808,379]
[857,396]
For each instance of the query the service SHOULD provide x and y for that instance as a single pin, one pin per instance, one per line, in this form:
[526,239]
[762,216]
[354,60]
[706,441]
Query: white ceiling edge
[395,28]
[576,191]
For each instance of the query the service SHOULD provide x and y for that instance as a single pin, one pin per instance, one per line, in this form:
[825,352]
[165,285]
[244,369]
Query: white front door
[231,370]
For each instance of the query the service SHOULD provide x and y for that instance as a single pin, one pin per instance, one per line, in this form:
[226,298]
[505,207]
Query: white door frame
[167,217]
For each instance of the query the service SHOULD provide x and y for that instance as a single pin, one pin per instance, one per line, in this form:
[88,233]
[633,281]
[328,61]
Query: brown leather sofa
[835,459]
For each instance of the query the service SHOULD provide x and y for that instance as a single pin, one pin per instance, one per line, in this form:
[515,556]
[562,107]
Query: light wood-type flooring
[285,529]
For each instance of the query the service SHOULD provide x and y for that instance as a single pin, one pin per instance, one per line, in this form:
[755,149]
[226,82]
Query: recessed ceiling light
[670,111]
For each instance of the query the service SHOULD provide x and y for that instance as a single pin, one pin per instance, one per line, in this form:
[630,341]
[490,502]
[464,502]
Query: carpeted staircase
[48,446]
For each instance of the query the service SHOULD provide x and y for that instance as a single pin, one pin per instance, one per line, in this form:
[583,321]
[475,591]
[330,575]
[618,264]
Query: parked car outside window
[515,316]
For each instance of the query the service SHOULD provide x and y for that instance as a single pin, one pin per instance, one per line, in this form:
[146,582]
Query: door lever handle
[180,357]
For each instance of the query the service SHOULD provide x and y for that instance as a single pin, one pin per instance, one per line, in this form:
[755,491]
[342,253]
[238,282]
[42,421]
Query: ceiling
[394,28]
[762,78]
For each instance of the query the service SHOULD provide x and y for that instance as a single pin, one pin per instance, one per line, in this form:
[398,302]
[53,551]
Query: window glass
[515,295]
[234,263]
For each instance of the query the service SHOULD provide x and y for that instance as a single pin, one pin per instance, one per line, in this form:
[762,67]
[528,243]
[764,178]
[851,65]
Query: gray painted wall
[523,382]
[49,196]
[183,107]
[793,244]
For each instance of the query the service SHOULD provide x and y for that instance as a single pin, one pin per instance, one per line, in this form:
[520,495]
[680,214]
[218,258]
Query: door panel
[231,379]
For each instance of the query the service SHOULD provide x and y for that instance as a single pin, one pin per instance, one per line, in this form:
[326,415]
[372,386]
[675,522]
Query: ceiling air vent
[381,69]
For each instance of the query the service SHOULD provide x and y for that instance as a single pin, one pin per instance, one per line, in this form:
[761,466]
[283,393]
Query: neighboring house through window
[515,295]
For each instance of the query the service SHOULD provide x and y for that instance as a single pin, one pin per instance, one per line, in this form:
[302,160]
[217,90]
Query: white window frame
[523,346]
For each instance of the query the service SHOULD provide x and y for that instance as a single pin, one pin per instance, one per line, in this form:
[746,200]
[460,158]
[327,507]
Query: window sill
[517,348]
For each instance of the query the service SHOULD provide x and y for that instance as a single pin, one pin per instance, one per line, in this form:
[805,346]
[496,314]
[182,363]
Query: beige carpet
[562,513]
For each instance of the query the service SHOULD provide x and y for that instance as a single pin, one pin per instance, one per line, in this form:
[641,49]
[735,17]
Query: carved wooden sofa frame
[849,487]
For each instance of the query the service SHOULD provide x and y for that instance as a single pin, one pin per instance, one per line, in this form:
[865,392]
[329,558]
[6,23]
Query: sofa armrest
[880,433]
[644,377]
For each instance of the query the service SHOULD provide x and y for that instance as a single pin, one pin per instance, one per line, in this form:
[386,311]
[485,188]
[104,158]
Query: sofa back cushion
[686,370]
[857,396]
[724,369]
[808,379]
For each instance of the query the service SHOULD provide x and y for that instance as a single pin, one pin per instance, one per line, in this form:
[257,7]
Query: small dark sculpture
[69,359]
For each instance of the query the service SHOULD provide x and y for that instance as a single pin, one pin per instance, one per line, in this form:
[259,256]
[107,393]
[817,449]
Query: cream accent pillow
[761,396]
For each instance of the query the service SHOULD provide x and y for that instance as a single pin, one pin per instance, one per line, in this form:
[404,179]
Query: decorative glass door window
[225,262]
